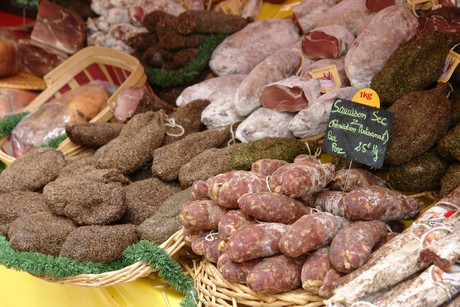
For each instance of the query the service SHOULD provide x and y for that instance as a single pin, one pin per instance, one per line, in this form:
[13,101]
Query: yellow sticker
[367,97]
[232,7]
[452,61]
[328,78]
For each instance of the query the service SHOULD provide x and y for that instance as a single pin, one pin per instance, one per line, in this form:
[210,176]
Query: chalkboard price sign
[358,132]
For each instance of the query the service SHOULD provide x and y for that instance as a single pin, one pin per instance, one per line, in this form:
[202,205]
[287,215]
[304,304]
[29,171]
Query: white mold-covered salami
[264,123]
[277,66]
[309,11]
[388,29]
[242,51]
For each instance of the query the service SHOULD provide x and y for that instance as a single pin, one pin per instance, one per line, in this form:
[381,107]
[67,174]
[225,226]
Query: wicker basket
[89,64]
[172,246]
[215,291]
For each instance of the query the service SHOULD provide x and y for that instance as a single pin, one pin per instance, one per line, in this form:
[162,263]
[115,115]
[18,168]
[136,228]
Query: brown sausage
[349,179]
[231,221]
[227,187]
[272,207]
[201,214]
[267,166]
[298,179]
[255,241]
[310,232]
[352,245]
[315,270]
[276,274]
[235,271]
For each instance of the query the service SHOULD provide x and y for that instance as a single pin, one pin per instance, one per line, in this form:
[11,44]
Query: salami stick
[397,261]
[433,287]
[444,252]
[349,179]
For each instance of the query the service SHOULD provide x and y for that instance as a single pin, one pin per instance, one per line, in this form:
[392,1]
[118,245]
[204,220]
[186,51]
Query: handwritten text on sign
[358,132]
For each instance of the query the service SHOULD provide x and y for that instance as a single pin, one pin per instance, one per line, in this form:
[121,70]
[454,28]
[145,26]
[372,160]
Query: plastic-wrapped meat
[348,13]
[59,27]
[314,119]
[290,95]
[277,66]
[380,38]
[309,11]
[327,42]
[243,50]
[263,123]
[39,59]
[14,100]
[443,253]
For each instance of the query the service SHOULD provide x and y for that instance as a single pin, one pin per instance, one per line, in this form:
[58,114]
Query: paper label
[452,61]
[450,281]
[328,78]
[367,97]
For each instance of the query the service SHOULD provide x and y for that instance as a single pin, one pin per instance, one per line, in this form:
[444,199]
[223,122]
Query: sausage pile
[285,228]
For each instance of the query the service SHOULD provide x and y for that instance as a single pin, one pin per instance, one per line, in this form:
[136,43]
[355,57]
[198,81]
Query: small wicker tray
[172,246]
[215,291]
[88,64]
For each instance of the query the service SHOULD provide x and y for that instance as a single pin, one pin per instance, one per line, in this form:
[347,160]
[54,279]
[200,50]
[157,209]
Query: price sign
[358,132]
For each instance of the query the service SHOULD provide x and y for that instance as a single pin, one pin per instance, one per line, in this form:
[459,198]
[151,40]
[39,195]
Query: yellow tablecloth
[20,289]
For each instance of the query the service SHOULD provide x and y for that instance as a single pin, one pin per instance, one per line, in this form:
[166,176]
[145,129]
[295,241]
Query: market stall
[226,153]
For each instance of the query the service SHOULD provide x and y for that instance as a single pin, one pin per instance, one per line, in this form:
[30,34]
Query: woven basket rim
[215,291]
[126,274]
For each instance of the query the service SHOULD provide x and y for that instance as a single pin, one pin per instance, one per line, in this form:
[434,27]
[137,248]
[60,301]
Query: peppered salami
[227,187]
[255,241]
[231,221]
[310,232]
[272,207]
[352,245]
[379,203]
[298,179]
[316,269]
[349,179]
[267,166]
[201,214]
[235,271]
[199,190]
[444,252]
[275,274]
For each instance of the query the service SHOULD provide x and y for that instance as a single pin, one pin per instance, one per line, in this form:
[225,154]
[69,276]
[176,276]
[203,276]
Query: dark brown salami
[316,269]
[379,203]
[235,271]
[349,179]
[255,241]
[310,232]
[231,221]
[272,207]
[352,245]
[227,187]
[275,274]
[299,179]
[267,166]
[201,214]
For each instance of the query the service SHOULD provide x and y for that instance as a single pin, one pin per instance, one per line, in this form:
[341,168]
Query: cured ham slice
[290,95]
[58,27]
[328,42]
[39,59]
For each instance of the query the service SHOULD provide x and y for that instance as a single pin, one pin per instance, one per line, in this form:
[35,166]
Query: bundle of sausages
[266,228]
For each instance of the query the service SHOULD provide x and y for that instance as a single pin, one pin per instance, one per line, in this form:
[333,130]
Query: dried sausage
[201,214]
[235,271]
[232,221]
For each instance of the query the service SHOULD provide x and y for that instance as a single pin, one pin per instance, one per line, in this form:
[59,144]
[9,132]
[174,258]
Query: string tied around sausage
[170,122]
[425,235]
[211,236]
